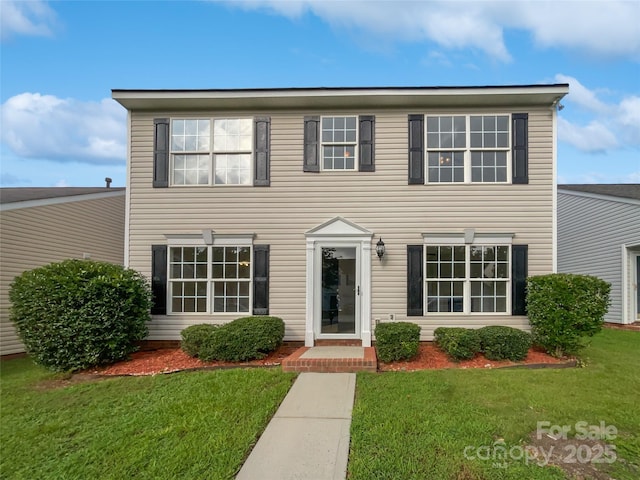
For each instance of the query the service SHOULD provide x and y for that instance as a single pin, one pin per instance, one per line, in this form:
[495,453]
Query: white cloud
[32,17]
[48,127]
[610,28]
[614,125]
[594,137]
[604,28]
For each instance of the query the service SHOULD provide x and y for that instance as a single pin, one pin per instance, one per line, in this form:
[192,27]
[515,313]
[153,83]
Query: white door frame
[629,285]
[338,232]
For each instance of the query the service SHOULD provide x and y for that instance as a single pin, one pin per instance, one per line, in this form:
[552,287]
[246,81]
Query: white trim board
[597,196]
[57,200]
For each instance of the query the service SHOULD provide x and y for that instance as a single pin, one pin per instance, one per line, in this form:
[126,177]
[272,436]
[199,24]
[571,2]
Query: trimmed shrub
[78,314]
[458,343]
[504,343]
[564,309]
[397,341]
[195,337]
[243,339]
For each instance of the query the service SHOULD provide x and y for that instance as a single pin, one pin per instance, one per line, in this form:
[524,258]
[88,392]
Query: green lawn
[186,425]
[417,425]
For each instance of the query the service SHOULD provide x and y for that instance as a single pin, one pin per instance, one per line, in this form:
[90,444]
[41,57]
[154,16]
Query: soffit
[412,98]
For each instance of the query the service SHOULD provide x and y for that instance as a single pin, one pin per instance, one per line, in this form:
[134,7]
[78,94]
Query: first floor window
[230,277]
[467,278]
[205,279]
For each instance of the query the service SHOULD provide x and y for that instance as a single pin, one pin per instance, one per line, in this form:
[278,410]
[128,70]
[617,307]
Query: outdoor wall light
[380,248]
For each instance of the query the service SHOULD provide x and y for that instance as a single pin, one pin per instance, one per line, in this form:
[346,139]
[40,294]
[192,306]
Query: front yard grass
[185,425]
[416,425]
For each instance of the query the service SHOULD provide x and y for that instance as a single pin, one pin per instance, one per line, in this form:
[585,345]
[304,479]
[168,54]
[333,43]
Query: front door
[340,290]
[338,303]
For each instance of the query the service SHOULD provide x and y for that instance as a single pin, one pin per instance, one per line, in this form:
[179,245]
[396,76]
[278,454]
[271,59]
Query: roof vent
[108,180]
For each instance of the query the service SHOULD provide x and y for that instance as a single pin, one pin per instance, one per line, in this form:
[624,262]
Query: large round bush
[565,309]
[78,313]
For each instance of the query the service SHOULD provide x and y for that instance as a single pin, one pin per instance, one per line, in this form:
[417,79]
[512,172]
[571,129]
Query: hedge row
[495,342]
[243,339]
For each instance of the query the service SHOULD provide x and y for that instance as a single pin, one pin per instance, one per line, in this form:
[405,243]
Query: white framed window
[472,278]
[468,148]
[207,151]
[231,278]
[210,279]
[339,140]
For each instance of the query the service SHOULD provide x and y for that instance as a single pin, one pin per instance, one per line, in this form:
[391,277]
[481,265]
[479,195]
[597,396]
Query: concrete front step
[331,359]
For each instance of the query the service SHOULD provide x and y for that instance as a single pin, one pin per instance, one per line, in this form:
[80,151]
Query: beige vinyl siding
[35,236]
[591,235]
[379,201]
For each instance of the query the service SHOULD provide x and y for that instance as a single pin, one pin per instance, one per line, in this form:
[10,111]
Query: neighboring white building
[599,235]
[43,225]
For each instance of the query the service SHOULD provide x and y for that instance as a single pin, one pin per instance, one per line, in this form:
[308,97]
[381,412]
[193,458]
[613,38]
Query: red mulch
[431,357]
[169,360]
[173,360]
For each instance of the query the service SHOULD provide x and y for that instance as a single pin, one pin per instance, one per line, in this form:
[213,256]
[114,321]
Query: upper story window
[205,151]
[339,143]
[468,148]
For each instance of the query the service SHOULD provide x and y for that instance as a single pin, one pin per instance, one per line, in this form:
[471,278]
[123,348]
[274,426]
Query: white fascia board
[459,239]
[198,239]
[598,196]
[57,200]
[416,98]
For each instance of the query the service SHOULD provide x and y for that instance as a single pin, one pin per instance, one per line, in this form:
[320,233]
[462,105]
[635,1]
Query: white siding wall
[35,236]
[591,235]
[379,201]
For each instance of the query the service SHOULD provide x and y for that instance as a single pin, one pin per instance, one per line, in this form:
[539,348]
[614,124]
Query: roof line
[41,202]
[599,196]
[337,89]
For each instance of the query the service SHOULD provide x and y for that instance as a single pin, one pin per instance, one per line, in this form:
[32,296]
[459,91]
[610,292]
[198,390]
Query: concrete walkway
[308,438]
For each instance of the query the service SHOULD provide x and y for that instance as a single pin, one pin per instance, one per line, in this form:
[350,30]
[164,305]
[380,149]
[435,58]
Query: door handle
[358,290]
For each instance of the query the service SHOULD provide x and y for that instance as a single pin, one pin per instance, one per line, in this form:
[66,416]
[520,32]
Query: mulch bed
[431,357]
[170,360]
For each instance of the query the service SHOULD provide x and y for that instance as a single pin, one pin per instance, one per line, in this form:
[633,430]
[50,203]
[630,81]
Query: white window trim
[208,238]
[356,156]
[467,150]
[469,238]
[211,153]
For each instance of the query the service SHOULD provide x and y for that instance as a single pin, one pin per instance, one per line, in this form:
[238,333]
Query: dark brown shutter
[415,287]
[311,144]
[261,279]
[519,272]
[520,147]
[262,152]
[367,143]
[161,152]
[159,279]
[416,149]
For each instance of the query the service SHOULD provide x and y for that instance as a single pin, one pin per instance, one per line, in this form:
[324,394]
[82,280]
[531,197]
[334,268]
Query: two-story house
[337,208]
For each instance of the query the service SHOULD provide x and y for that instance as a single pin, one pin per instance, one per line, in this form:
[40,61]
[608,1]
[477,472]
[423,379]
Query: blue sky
[59,61]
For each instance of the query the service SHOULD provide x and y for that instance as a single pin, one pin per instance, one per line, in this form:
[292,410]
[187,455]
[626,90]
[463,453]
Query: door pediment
[338,227]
